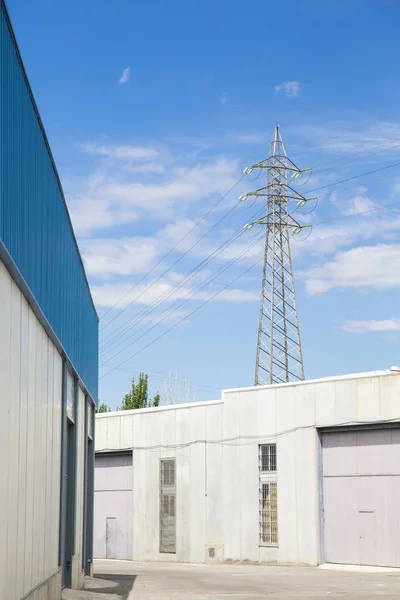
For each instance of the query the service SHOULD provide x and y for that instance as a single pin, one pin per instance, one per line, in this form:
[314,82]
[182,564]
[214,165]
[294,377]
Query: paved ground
[120,580]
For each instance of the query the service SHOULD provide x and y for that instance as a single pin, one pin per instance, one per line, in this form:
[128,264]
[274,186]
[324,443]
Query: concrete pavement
[123,580]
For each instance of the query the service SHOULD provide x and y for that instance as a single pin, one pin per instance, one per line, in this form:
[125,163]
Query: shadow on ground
[111,584]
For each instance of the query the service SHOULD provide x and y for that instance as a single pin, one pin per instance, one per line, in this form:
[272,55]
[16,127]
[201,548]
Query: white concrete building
[303,474]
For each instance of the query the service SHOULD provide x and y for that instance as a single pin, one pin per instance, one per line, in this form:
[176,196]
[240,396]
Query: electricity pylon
[279,358]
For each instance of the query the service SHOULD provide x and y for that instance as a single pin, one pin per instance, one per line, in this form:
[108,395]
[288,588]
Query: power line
[367,153]
[194,270]
[192,293]
[363,212]
[185,317]
[171,250]
[322,187]
[168,293]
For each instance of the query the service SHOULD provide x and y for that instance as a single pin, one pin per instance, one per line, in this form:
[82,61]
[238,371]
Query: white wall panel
[23,454]
[368,399]
[126,432]
[215,453]
[346,401]
[5,327]
[30,432]
[15,378]
[101,434]
[113,433]
[197,522]
[248,473]
[231,476]
[39,464]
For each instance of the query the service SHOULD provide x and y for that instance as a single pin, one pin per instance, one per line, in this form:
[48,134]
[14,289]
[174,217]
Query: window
[167,506]
[90,419]
[70,396]
[268,495]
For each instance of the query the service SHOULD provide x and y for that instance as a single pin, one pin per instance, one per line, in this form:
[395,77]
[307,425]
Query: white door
[113,506]
[111,537]
[362,496]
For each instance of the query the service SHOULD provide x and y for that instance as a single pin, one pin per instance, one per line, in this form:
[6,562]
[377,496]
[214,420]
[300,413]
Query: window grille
[167,506]
[268,495]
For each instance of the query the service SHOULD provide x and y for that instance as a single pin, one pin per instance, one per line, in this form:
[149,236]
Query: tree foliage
[138,396]
[102,408]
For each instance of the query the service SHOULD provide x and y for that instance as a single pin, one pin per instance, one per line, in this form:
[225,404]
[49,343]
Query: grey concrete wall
[216,449]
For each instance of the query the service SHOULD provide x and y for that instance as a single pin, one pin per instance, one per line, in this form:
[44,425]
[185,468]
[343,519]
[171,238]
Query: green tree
[138,396]
[102,408]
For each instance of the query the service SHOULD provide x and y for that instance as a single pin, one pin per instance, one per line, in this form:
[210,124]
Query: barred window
[167,506]
[268,495]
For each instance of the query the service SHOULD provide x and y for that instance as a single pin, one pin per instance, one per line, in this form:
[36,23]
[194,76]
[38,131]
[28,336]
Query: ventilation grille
[215,553]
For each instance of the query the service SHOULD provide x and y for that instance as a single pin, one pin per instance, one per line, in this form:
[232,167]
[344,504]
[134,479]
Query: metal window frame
[267,476]
[68,469]
[166,489]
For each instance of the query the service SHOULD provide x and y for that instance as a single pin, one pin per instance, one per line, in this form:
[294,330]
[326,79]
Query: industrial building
[299,474]
[48,358]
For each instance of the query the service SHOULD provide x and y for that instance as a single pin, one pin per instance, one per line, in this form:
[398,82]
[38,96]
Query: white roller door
[362,497]
[113,508]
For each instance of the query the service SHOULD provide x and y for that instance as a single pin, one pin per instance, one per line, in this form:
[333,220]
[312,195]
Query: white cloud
[109,257]
[391,324]
[121,152]
[165,292]
[148,167]
[250,138]
[114,196]
[345,138]
[359,204]
[291,89]
[363,268]
[125,76]
[224,98]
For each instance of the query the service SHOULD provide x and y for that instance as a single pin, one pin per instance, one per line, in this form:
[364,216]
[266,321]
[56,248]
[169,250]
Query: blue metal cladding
[34,222]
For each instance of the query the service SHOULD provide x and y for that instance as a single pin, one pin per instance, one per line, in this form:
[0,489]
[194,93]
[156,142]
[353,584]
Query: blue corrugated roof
[34,222]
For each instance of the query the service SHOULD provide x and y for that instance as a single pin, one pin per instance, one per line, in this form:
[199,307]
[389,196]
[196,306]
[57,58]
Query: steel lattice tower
[279,357]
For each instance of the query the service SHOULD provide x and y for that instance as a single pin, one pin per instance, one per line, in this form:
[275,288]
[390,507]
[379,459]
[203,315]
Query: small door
[366,528]
[111,537]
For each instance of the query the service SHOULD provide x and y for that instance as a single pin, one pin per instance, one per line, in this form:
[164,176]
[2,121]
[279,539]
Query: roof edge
[154,409]
[381,373]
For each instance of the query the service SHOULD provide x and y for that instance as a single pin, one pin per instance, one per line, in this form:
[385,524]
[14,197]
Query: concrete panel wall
[30,430]
[216,444]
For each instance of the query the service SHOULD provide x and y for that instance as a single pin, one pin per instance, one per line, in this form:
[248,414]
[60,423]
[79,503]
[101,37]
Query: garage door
[113,507]
[362,496]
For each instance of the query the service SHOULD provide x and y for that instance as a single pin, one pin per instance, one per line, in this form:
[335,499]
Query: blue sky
[153,110]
